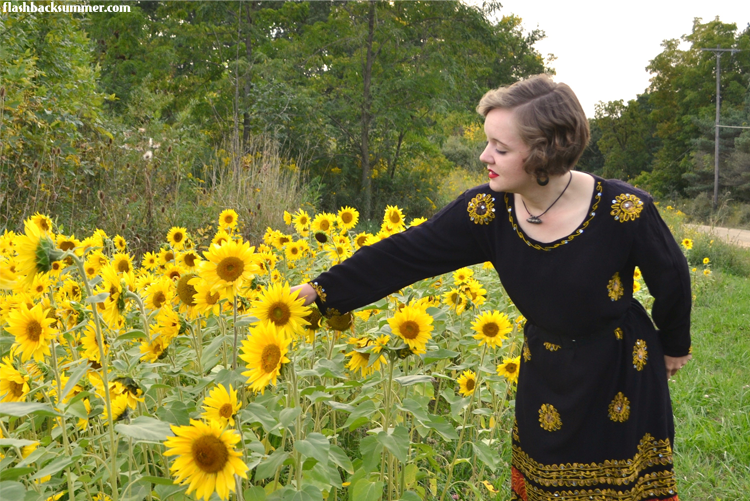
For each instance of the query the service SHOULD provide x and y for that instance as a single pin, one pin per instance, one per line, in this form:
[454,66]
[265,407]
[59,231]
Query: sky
[603,48]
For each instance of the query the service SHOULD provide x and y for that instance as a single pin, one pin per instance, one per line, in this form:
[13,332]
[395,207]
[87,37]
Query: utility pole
[717,51]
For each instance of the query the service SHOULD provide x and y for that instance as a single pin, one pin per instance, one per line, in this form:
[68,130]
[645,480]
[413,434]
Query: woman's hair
[549,119]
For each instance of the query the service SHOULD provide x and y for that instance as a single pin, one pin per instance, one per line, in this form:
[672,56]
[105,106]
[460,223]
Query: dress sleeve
[666,273]
[444,243]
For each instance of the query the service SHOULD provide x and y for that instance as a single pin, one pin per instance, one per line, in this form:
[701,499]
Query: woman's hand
[675,363]
[306,292]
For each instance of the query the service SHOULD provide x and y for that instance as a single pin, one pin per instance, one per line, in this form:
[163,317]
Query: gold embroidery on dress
[615,288]
[626,207]
[640,354]
[651,452]
[481,209]
[526,352]
[570,238]
[647,487]
[549,418]
[552,347]
[618,333]
[319,291]
[619,408]
[515,430]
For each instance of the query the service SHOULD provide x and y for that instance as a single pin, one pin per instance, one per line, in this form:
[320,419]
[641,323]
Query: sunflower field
[199,374]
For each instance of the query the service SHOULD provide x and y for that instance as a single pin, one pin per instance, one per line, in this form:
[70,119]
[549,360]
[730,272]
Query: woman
[593,413]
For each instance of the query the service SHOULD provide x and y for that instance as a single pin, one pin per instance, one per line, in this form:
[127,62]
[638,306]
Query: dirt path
[731,235]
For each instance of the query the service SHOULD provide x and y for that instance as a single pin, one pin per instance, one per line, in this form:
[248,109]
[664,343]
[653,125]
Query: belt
[566,341]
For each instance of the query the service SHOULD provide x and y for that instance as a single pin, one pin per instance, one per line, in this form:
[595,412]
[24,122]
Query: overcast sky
[603,48]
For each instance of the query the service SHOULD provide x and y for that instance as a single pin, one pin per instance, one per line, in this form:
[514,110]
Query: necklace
[537,219]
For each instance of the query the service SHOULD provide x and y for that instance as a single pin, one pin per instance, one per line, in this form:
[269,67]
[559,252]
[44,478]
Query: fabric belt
[566,341]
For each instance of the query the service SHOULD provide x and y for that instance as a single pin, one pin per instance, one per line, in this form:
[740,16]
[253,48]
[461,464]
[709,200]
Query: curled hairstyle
[549,119]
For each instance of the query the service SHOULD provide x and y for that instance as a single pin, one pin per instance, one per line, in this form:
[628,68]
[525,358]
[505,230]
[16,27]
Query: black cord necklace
[536,219]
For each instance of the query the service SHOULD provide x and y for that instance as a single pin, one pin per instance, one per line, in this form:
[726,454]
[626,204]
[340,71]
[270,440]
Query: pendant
[534,220]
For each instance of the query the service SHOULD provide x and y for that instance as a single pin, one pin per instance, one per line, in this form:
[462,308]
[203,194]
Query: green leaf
[287,415]
[410,496]
[316,446]
[366,490]
[156,480]
[175,413]
[339,457]
[73,380]
[371,450]
[340,406]
[267,468]
[56,465]
[361,415]
[256,413]
[16,442]
[255,493]
[441,354]
[486,454]
[133,334]
[308,493]
[99,298]
[21,409]
[146,428]
[319,396]
[410,380]
[14,473]
[443,428]
[410,475]
[415,408]
[77,409]
[397,441]
[12,490]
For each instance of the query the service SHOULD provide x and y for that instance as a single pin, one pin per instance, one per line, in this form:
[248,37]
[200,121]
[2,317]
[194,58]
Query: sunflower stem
[467,411]
[386,418]
[105,380]
[63,426]
[234,328]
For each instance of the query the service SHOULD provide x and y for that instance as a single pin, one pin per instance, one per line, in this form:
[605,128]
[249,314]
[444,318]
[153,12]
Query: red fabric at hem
[518,483]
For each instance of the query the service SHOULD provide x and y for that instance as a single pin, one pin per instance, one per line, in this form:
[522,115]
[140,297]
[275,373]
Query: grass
[711,397]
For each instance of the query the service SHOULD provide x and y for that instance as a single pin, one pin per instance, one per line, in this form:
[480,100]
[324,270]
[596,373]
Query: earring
[542,181]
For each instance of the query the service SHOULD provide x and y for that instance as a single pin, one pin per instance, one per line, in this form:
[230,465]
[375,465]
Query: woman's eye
[501,152]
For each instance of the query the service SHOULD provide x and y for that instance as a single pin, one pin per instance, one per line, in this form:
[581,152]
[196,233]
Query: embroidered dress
[593,413]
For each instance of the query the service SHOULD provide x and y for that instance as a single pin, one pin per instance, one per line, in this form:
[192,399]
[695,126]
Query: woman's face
[505,153]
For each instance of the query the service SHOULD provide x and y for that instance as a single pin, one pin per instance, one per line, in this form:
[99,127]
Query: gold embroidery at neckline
[569,238]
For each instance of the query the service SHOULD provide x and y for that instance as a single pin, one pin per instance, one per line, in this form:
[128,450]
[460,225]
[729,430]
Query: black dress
[593,413]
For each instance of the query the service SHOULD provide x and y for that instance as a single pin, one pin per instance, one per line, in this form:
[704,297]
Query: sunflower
[228,267]
[205,300]
[348,218]
[123,263]
[323,222]
[185,291]
[462,275]
[413,325]
[467,383]
[32,330]
[221,405]
[361,240]
[177,237]
[264,352]
[120,243]
[687,243]
[228,220]
[8,276]
[509,368]
[362,359]
[36,251]
[14,386]
[301,221]
[119,406]
[38,286]
[393,217]
[636,286]
[42,222]
[206,458]
[189,260]
[220,238]
[337,252]
[90,345]
[285,309]
[492,328]
[292,251]
[83,423]
[455,300]
[151,351]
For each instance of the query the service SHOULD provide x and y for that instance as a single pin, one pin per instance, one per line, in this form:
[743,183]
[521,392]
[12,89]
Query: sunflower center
[228,220]
[321,237]
[409,329]
[66,245]
[279,314]
[347,217]
[169,256]
[395,218]
[225,411]
[269,359]
[34,331]
[159,299]
[123,266]
[230,268]
[511,368]
[15,389]
[470,384]
[212,298]
[177,237]
[185,291]
[490,330]
[190,259]
[324,225]
[210,453]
